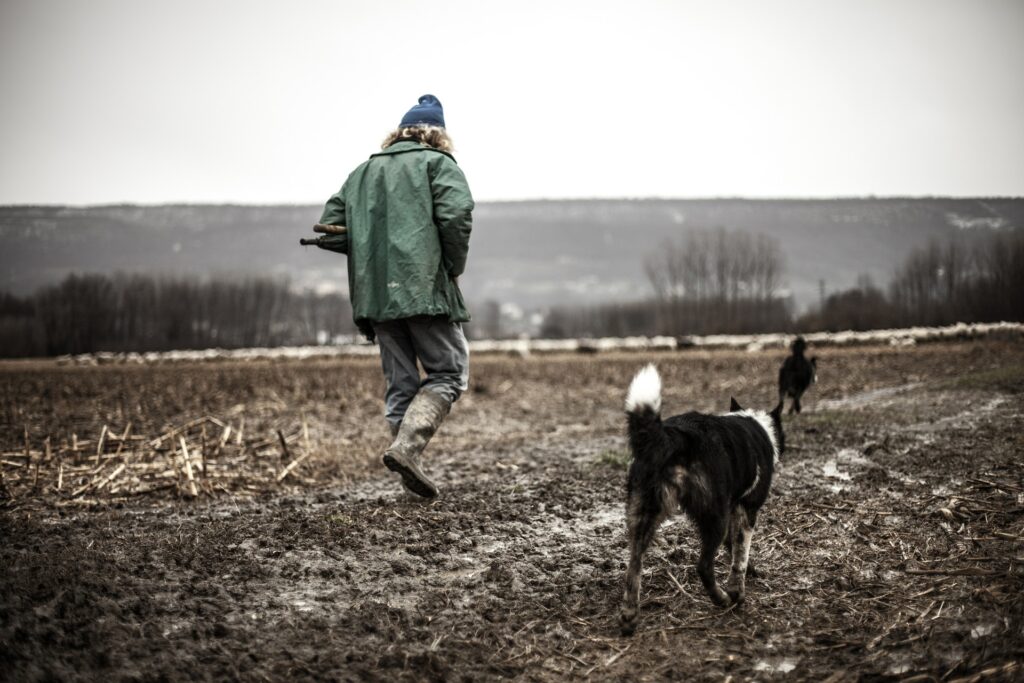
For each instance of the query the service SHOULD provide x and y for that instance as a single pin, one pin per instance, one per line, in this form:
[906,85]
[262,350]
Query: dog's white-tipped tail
[645,391]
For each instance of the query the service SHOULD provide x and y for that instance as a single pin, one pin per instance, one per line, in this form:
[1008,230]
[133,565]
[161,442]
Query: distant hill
[531,253]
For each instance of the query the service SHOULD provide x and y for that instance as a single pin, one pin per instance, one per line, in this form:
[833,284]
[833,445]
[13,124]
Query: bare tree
[716,280]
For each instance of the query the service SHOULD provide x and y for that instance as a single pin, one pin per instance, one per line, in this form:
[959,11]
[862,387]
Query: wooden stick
[127,431]
[188,469]
[110,477]
[120,443]
[611,660]
[330,229]
[89,484]
[285,455]
[185,427]
[1009,667]
[202,453]
[964,571]
[995,485]
[177,430]
[101,443]
[288,470]
[675,581]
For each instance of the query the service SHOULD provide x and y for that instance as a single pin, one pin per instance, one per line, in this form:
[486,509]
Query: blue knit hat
[427,113]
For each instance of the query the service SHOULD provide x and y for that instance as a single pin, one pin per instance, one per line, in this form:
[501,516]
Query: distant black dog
[796,374]
[715,468]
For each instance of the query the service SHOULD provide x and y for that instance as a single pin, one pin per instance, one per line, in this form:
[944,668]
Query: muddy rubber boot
[424,415]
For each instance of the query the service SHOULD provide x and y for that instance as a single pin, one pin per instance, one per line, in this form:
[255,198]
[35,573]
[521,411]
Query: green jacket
[409,214]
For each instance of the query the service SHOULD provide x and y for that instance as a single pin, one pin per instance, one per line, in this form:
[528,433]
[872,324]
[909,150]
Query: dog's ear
[734,405]
[777,412]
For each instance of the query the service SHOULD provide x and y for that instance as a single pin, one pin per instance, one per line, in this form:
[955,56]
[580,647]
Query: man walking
[408,210]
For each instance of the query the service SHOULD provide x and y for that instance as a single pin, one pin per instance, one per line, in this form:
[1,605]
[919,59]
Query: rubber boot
[424,415]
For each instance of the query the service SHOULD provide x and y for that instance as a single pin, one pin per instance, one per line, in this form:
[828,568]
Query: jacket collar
[409,146]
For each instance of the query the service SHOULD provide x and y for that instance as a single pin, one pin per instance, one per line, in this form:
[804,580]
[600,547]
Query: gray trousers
[440,347]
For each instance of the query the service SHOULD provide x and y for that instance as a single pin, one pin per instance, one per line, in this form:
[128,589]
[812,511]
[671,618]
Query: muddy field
[892,546]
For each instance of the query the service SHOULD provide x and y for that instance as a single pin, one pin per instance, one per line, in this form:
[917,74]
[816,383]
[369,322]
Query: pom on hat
[427,113]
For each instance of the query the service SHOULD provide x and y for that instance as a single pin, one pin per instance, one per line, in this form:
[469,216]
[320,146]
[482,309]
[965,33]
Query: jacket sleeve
[334,214]
[453,213]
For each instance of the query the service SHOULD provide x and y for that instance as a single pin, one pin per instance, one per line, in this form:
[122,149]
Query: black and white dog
[796,374]
[715,468]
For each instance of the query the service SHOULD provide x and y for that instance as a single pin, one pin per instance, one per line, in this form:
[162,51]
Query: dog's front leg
[641,524]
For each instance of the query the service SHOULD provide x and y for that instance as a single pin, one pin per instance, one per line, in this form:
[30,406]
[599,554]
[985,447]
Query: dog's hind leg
[751,570]
[741,530]
[641,525]
[751,523]
[712,531]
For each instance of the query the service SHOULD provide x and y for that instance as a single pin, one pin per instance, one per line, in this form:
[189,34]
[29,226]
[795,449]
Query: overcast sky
[267,102]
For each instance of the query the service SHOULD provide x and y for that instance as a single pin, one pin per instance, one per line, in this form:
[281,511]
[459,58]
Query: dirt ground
[891,548]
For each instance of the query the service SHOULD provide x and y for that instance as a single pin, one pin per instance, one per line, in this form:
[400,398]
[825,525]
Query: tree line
[938,284]
[723,282]
[708,282]
[88,313]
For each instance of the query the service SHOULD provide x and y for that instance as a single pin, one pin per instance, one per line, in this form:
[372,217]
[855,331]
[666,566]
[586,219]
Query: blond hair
[431,136]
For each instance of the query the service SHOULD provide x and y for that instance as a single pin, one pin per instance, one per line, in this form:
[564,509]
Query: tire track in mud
[839,468]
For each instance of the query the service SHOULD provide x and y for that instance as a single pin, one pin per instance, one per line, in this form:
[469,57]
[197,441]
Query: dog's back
[734,453]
